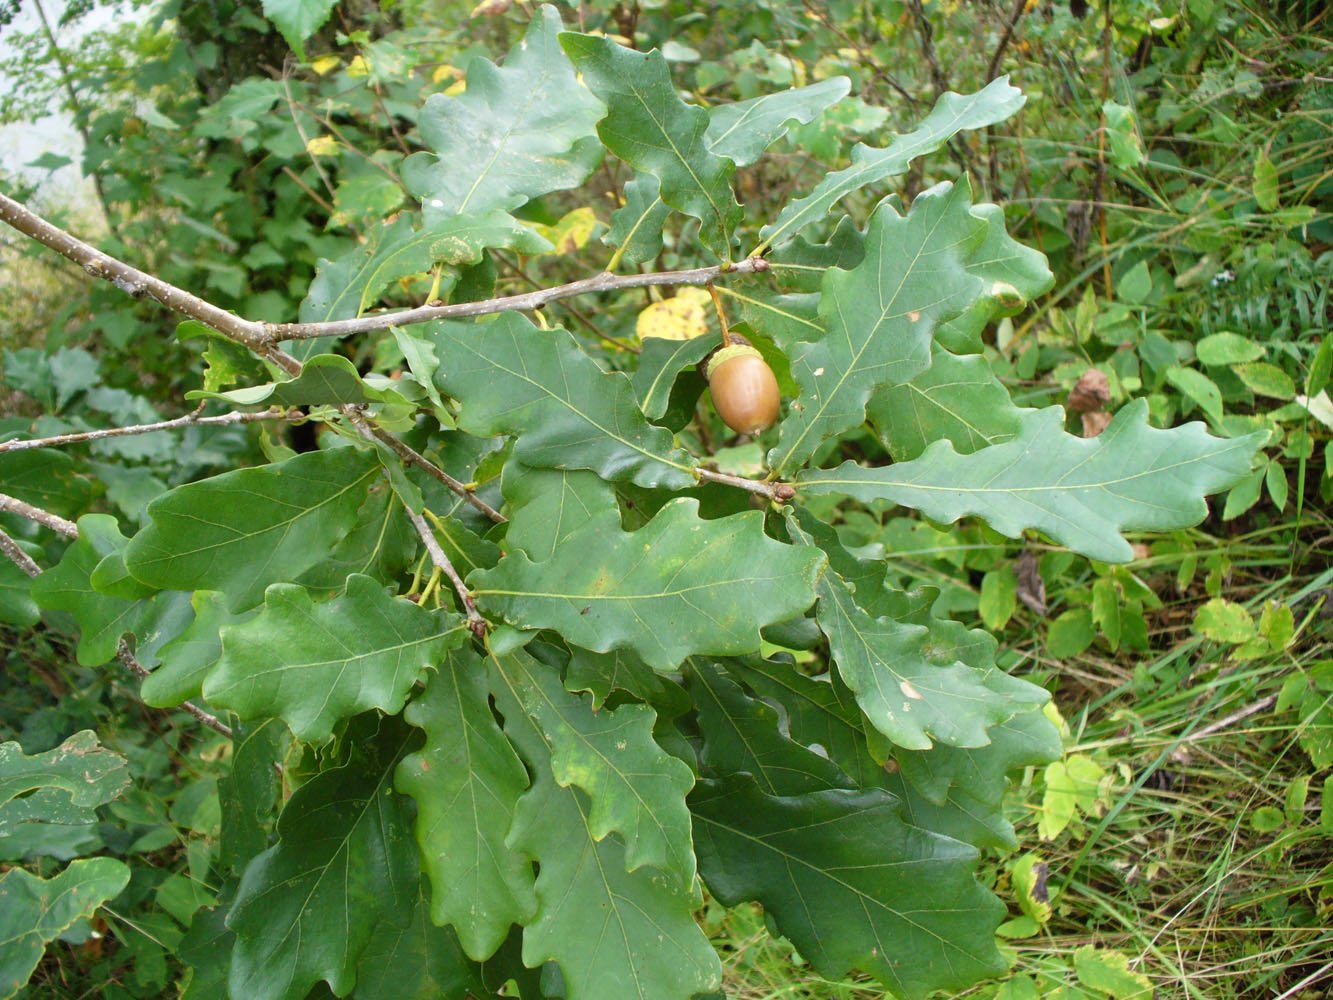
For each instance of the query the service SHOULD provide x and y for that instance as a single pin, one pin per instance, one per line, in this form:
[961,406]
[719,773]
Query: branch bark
[526,302]
[43,517]
[190,419]
[475,621]
[137,284]
[263,338]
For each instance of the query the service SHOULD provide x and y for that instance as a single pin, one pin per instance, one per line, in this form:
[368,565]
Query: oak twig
[775,491]
[409,454]
[190,419]
[263,338]
[17,556]
[525,302]
[475,621]
[43,517]
[127,657]
[137,284]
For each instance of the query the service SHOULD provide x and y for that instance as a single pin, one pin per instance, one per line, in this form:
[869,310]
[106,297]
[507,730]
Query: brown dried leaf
[1031,587]
[1095,423]
[1090,393]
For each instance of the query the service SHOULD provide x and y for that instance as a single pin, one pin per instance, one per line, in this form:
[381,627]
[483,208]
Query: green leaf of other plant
[297,20]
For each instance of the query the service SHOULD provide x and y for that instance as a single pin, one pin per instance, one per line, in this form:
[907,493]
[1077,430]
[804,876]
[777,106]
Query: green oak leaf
[546,506]
[251,790]
[636,226]
[1083,492]
[314,664]
[918,270]
[960,791]
[819,711]
[513,378]
[346,287]
[16,604]
[739,132]
[600,674]
[225,361]
[916,678]
[746,734]
[949,790]
[297,20]
[516,132]
[957,399]
[36,911]
[381,544]
[325,380]
[908,698]
[102,619]
[634,787]
[659,364]
[839,870]
[841,873]
[343,866]
[58,788]
[953,113]
[743,130]
[654,131]
[466,781]
[1013,273]
[49,479]
[420,961]
[242,530]
[190,656]
[613,932]
[206,951]
[679,585]
[340,284]
[849,883]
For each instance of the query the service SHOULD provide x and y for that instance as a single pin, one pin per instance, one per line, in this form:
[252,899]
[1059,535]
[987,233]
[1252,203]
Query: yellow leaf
[572,232]
[357,67]
[446,72]
[682,317]
[455,88]
[322,145]
[325,64]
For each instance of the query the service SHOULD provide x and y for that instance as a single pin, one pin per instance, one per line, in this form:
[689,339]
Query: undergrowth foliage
[515,661]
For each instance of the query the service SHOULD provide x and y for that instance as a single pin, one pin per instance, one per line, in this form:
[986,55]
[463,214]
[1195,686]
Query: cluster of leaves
[539,807]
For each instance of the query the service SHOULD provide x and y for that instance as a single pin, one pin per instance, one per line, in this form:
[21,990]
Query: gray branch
[190,419]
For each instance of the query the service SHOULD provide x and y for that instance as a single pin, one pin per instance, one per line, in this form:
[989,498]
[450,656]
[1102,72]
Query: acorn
[745,390]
